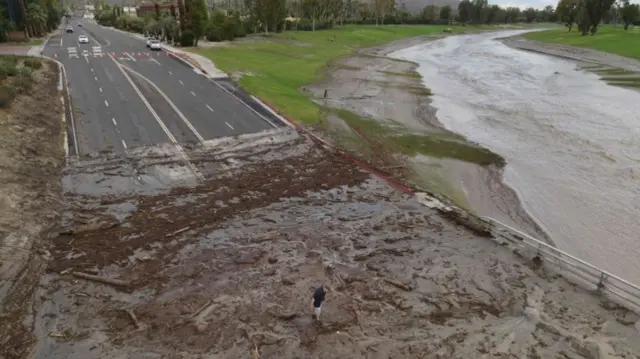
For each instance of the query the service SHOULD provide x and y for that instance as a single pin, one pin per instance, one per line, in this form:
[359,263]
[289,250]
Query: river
[572,142]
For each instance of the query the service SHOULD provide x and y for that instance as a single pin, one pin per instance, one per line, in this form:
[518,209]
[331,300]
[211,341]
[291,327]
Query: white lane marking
[86,58]
[106,103]
[124,144]
[156,61]
[170,73]
[193,93]
[181,83]
[131,57]
[100,88]
[231,127]
[60,42]
[92,69]
[210,109]
[168,100]
[95,78]
[155,115]
[244,103]
[114,122]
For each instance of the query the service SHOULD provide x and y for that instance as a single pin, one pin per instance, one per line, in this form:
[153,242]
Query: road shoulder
[31,162]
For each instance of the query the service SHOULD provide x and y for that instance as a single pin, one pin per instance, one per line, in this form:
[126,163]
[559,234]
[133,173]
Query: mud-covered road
[224,267]
[570,140]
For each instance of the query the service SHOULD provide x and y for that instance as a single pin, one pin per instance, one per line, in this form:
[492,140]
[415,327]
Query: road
[127,96]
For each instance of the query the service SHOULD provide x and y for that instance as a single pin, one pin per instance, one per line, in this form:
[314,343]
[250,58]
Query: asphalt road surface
[127,96]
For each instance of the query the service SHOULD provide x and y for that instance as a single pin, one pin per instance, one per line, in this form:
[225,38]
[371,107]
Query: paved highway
[127,96]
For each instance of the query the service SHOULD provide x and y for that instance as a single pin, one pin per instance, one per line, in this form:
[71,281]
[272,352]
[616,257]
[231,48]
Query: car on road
[149,39]
[69,29]
[79,25]
[83,39]
[154,45]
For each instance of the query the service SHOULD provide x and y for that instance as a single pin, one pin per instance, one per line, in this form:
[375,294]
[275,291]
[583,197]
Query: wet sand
[373,86]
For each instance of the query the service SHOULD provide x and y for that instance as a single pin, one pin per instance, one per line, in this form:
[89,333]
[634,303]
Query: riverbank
[612,68]
[376,107]
[610,39]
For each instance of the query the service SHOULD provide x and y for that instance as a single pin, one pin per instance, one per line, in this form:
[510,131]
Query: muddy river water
[572,142]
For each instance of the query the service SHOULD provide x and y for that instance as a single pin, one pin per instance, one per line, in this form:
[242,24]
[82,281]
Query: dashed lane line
[114,122]
[168,100]
[231,127]
[193,93]
[106,103]
[162,124]
[210,109]
[181,83]
[124,144]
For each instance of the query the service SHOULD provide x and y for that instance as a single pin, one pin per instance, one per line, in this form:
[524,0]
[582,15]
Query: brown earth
[31,162]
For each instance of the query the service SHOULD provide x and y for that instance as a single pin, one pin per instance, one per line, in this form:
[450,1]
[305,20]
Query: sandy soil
[370,85]
[31,162]
[226,268]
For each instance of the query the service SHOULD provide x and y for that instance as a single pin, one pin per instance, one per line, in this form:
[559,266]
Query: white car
[149,39]
[83,39]
[154,45]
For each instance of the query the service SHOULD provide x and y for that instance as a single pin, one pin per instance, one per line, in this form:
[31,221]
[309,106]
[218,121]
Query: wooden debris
[95,278]
[398,284]
[255,354]
[178,232]
[134,319]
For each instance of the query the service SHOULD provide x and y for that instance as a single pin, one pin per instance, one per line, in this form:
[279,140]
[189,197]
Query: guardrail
[603,282]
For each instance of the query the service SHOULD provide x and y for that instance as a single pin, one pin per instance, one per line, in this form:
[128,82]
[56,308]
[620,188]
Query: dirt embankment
[31,162]
[226,269]
[379,107]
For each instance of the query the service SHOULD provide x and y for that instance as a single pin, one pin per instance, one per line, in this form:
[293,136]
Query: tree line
[34,17]
[187,21]
[586,15]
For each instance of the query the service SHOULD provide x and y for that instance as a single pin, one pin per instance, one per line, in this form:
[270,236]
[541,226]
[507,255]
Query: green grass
[624,84]
[621,79]
[436,144]
[608,38]
[612,71]
[282,67]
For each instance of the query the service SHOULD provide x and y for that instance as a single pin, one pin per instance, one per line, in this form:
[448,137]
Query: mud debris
[246,248]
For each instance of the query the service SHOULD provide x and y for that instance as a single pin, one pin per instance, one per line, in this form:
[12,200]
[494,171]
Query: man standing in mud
[318,298]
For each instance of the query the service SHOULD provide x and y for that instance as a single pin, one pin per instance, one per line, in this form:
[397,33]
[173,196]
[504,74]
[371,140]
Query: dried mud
[225,268]
[31,163]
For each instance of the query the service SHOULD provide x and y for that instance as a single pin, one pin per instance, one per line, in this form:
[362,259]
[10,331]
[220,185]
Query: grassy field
[609,39]
[276,67]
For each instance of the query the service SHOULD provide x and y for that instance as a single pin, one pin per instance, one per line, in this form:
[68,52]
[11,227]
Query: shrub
[187,38]
[24,80]
[33,63]
[8,69]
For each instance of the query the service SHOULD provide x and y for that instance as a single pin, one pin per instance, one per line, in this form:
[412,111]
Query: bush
[24,80]
[8,68]
[187,38]
[33,63]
